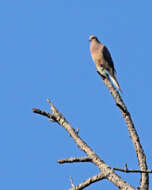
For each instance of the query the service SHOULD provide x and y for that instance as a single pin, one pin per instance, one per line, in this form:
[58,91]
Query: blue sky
[45,54]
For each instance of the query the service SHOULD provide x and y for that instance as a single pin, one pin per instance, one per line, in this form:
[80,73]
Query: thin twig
[88,182]
[41,112]
[132,171]
[71,180]
[44,113]
[71,160]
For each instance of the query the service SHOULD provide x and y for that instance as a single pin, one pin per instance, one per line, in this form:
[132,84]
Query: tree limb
[72,160]
[144,180]
[107,172]
[88,182]
[132,171]
[41,112]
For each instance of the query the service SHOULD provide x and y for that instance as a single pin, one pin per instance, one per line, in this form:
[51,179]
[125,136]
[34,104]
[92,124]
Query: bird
[103,60]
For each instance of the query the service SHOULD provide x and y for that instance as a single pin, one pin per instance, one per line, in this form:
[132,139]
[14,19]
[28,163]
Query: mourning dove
[103,60]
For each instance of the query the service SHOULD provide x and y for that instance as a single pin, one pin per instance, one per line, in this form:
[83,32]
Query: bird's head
[93,38]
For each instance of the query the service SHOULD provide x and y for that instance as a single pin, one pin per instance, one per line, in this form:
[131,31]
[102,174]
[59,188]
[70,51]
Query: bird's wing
[108,58]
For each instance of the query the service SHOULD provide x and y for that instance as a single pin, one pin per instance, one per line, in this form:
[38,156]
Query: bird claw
[103,74]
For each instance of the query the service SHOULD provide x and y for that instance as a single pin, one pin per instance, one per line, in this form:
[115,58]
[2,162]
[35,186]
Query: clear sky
[44,53]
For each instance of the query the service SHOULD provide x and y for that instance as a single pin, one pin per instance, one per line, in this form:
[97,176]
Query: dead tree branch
[144,180]
[106,171]
[88,182]
[71,180]
[132,171]
[72,160]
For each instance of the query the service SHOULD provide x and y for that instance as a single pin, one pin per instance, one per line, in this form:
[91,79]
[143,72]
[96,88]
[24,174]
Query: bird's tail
[115,82]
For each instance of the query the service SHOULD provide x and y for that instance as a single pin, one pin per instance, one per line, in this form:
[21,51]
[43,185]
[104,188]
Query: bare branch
[88,182]
[104,168]
[41,112]
[144,181]
[132,171]
[71,160]
[44,113]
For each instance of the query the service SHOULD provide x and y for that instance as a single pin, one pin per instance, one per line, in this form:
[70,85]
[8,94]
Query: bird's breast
[98,59]
[95,52]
